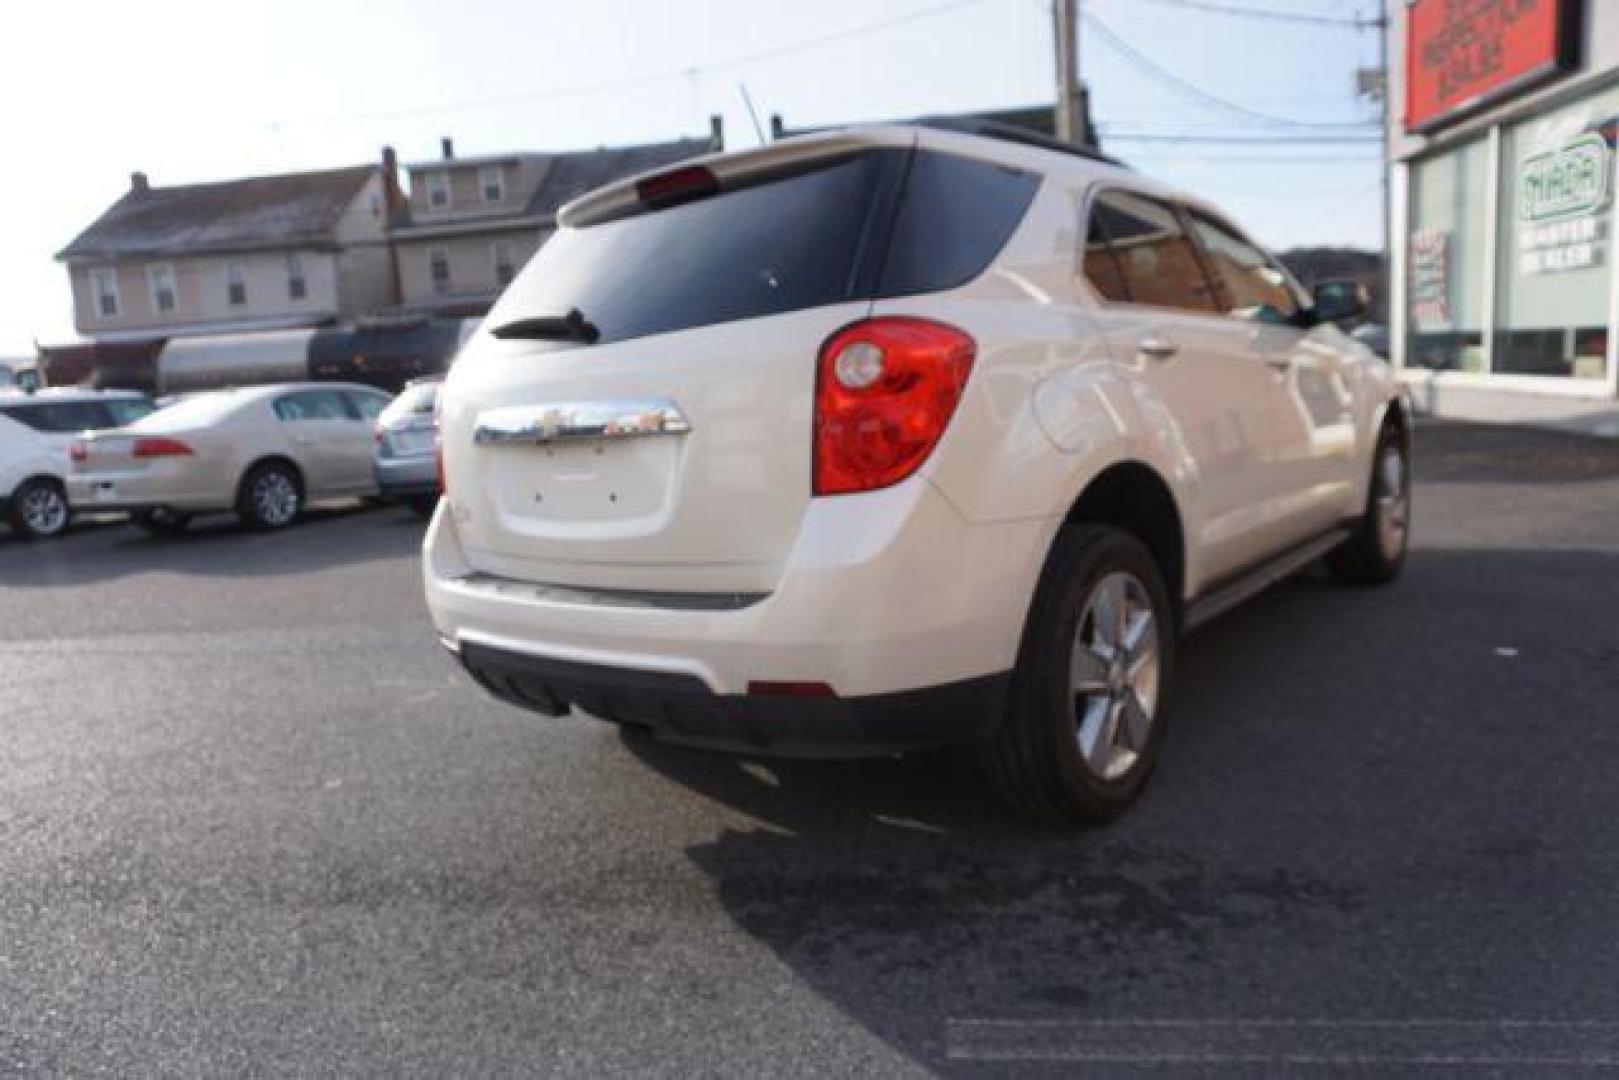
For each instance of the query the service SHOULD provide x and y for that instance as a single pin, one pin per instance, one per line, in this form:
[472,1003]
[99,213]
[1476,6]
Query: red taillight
[884,393]
[438,460]
[157,447]
[677,186]
[78,453]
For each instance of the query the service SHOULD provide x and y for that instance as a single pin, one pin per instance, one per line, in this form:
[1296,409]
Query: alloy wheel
[1393,502]
[275,497]
[44,510]
[1114,675]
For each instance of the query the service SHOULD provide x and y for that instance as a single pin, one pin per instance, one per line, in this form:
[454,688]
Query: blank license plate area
[413,441]
[573,483]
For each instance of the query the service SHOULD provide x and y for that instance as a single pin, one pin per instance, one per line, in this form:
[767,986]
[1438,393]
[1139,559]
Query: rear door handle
[1157,348]
[1280,364]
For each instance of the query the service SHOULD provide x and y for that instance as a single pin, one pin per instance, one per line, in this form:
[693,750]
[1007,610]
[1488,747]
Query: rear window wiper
[570,327]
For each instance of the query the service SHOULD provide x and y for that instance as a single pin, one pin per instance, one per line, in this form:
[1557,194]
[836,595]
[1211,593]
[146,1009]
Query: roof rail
[994,129]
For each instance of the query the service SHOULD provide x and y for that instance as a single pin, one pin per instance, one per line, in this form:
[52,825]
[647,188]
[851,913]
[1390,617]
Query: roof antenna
[752,115]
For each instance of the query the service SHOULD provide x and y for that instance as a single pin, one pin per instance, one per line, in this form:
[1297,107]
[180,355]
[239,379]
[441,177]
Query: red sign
[1462,54]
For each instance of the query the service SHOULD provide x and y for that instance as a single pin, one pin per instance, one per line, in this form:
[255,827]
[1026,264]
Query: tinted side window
[368,406]
[127,410]
[1102,267]
[1255,288]
[953,219]
[312,405]
[1159,265]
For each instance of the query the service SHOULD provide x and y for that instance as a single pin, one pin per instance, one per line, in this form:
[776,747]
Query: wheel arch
[1131,495]
[273,459]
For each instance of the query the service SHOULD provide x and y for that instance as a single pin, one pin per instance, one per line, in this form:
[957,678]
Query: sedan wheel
[40,509]
[271,497]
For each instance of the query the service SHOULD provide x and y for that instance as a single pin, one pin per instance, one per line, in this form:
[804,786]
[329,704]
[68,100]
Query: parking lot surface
[253,819]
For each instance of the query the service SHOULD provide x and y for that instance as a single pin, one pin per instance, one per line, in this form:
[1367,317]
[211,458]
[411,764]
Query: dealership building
[1504,118]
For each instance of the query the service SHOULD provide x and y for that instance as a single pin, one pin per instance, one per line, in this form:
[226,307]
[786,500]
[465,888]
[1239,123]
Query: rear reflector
[885,391]
[158,447]
[677,186]
[790,689]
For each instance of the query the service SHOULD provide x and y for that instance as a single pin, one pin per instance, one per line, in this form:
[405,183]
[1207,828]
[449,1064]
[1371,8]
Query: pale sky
[188,90]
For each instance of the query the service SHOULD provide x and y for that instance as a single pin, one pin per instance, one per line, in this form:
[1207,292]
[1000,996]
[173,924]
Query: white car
[36,432]
[890,437]
[263,452]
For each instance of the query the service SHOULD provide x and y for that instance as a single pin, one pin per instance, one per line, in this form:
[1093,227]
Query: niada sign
[1561,196]
[1571,180]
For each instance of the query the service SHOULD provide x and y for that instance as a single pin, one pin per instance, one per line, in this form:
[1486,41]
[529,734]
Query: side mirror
[1341,301]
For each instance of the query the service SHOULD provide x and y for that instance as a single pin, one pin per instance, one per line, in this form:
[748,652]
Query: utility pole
[1070,115]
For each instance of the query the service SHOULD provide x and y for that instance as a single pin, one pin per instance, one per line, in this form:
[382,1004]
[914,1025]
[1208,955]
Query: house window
[438,189]
[160,283]
[504,269]
[492,182]
[438,267]
[297,286]
[104,284]
[235,284]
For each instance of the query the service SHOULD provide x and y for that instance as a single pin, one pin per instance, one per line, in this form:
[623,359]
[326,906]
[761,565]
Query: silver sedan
[262,452]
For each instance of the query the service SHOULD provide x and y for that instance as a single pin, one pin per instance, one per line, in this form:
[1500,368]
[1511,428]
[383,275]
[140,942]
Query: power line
[1243,140]
[1217,8]
[1145,63]
[647,80]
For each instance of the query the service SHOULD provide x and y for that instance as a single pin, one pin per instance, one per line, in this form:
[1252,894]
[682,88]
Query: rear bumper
[682,709]
[400,477]
[892,599]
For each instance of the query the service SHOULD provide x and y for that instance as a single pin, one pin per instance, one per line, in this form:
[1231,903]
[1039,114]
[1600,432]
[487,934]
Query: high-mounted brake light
[884,393]
[160,447]
[677,186]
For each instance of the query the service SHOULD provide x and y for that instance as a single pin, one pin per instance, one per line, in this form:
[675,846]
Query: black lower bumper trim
[682,709]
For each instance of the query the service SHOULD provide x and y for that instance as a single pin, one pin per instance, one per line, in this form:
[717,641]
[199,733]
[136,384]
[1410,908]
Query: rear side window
[368,406]
[838,232]
[127,410]
[955,216]
[312,405]
[1155,261]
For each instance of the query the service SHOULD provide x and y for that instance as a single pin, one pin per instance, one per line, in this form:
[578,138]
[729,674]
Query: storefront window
[1446,259]
[1555,256]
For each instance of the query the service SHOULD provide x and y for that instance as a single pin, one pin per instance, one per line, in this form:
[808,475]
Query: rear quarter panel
[1047,408]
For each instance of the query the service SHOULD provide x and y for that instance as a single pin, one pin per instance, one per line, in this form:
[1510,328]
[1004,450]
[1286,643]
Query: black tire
[271,496]
[422,505]
[1374,555]
[1036,759]
[160,522]
[39,509]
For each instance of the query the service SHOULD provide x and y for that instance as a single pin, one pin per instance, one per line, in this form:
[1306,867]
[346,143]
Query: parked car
[407,435]
[889,437]
[262,452]
[36,432]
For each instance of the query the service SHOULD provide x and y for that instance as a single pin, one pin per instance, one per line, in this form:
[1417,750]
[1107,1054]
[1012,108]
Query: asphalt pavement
[253,820]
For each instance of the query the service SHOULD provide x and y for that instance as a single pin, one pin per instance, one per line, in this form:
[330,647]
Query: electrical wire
[646,80]
[1144,63]
[1214,7]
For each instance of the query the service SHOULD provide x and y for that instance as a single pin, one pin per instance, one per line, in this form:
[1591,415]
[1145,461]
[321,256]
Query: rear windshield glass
[417,400]
[196,410]
[821,237]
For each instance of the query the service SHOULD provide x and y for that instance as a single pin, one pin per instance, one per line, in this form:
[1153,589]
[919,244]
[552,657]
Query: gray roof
[231,215]
[572,174]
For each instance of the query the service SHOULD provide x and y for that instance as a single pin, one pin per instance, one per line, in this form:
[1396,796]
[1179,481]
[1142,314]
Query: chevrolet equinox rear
[896,437]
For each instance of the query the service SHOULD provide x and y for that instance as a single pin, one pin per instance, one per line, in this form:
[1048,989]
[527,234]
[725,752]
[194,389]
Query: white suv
[898,436]
[37,431]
